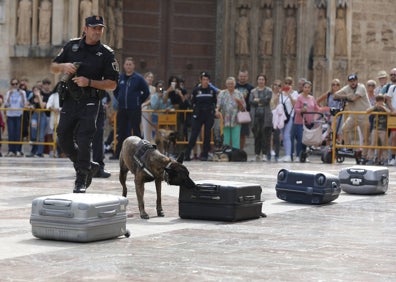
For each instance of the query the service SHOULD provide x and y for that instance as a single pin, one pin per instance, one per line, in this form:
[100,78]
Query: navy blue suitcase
[307,187]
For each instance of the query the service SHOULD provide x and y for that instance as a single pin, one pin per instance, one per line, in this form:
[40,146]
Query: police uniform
[80,107]
[204,102]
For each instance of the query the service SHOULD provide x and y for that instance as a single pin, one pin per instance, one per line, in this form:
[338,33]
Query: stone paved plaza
[351,239]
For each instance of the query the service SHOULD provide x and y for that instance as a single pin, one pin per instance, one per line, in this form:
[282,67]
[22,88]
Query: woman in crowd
[327,99]
[259,99]
[278,125]
[146,116]
[305,103]
[38,122]
[15,99]
[229,102]
[288,98]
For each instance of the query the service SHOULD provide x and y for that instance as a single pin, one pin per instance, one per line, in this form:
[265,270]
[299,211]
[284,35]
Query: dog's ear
[180,158]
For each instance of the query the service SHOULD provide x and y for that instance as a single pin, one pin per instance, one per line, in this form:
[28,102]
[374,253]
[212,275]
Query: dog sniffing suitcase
[364,180]
[220,200]
[307,187]
[79,217]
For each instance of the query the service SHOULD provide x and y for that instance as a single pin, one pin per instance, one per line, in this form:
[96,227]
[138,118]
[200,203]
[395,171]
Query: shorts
[245,129]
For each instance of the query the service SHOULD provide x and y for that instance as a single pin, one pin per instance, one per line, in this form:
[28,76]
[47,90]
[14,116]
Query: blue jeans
[14,133]
[297,133]
[38,128]
[287,141]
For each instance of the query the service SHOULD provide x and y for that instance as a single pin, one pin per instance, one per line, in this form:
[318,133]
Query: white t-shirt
[392,93]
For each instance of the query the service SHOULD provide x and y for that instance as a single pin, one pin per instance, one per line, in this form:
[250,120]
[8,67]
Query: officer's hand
[69,68]
[81,81]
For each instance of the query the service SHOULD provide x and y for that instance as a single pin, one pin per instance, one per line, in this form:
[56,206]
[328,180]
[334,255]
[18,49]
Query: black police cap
[94,21]
[205,74]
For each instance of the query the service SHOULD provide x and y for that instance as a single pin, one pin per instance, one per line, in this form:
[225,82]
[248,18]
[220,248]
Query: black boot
[95,167]
[80,183]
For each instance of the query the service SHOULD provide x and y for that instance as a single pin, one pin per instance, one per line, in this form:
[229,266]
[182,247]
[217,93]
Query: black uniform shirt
[97,61]
[204,99]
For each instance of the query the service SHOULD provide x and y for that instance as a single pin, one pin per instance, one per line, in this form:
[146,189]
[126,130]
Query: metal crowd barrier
[357,134]
[25,132]
[171,120]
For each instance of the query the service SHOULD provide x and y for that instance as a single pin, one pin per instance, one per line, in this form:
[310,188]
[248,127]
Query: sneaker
[297,160]
[40,155]
[273,153]
[31,155]
[10,154]
[258,159]
[392,162]
[19,154]
[285,159]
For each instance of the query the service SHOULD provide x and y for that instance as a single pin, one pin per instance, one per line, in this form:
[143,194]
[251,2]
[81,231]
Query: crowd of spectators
[276,111]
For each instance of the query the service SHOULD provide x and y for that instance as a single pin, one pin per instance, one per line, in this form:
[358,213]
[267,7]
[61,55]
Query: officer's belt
[84,93]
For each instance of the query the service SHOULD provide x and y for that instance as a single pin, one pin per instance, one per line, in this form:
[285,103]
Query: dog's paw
[160,213]
[144,216]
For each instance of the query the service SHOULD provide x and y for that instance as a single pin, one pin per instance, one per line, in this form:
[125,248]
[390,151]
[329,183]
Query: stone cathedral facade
[316,39]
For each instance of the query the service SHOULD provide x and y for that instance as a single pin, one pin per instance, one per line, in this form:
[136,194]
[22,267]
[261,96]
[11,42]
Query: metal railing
[356,134]
[26,129]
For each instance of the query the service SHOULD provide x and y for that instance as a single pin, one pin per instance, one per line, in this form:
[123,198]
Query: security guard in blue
[88,69]
[204,103]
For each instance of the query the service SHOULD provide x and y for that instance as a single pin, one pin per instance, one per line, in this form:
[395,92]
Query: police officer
[204,103]
[96,71]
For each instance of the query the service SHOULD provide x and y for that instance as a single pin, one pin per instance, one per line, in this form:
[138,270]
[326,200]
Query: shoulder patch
[108,48]
[75,39]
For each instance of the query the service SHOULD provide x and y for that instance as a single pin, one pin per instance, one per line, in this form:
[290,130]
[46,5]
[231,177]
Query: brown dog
[147,164]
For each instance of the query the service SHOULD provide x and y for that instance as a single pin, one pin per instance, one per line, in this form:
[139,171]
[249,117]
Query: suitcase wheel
[127,234]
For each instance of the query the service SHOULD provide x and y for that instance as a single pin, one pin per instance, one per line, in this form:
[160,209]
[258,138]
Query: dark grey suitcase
[364,180]
[220,200]
[307,187]
[80,217]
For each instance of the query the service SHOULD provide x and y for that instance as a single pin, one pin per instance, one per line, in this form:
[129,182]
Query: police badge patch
[115,66]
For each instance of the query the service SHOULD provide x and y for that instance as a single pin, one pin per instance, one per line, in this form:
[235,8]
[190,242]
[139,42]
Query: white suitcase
[364,180]
[80,217]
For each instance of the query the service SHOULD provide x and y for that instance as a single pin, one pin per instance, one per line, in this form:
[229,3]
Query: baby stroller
[340,154]
[315,133]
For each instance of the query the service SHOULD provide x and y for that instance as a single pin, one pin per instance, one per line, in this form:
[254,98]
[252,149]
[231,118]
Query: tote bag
[243,117]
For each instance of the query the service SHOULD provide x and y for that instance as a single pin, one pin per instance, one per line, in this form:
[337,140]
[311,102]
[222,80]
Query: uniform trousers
[76,129]
[197,122]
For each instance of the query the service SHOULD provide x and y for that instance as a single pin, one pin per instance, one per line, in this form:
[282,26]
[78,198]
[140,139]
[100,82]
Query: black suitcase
[307,187]
[220,200]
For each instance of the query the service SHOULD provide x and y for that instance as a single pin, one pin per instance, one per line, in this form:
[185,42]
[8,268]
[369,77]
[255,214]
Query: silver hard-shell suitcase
[80,217]
[364,180]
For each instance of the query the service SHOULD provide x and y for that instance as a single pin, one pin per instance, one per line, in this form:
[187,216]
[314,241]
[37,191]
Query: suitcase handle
[247,198]
[208,197]
[61,213]
[108,213]
[207,188]
[57,202]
